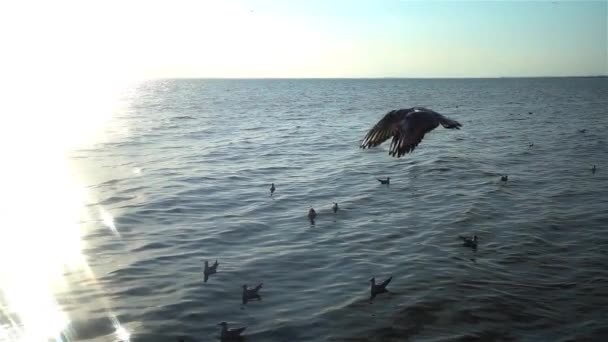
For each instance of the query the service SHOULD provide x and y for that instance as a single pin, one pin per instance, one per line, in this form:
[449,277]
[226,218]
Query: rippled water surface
[185,170]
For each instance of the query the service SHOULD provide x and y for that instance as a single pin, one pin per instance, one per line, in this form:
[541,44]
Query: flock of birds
[407,128]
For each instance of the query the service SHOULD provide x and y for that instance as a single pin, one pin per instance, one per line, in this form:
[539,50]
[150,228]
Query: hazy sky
[309,38]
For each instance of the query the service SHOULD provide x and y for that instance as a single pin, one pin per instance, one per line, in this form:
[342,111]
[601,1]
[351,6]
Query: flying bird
[407,127]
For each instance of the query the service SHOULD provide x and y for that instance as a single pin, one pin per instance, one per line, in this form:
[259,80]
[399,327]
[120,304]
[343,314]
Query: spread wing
[384,129]
[384,283]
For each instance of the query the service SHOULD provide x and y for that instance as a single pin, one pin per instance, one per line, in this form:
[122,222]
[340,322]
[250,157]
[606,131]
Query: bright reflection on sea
[43,207]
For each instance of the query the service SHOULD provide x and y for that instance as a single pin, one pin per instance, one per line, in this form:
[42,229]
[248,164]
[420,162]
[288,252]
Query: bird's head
[223,324]
[372,280]
[244,286]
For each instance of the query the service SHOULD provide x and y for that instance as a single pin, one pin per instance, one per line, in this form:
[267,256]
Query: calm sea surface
[185,170]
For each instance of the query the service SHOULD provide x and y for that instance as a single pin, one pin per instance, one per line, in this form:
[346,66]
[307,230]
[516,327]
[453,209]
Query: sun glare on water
[43,208]
[46,113]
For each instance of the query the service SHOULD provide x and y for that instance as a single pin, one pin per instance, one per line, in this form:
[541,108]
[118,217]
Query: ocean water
[185,170]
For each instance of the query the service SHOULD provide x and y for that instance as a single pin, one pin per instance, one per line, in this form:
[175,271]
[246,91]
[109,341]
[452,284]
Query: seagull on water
[386,181]
[469,242]
[312,214]
[376,289]
[251,293]
[209,270]
[228,334]
[407,127]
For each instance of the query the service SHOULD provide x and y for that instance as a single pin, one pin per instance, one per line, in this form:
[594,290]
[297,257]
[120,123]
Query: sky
[306,38]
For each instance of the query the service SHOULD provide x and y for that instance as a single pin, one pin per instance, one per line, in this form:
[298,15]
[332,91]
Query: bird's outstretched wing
[384,129]
[384,283]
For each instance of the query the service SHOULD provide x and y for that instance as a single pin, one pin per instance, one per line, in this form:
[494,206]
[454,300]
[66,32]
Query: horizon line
[371,77]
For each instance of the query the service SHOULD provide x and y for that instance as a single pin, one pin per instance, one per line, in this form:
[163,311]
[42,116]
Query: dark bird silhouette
[376,289]
[582,130]
[407,127]
[335,207]
[386,181]
[593,169]
[209,270]
[312,214]
[504,178]
[230,334]
[251,293]
[469,242]
[272,189]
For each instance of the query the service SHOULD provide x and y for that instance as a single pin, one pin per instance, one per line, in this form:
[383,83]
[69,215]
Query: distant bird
[376,289]
[469,242]
[529,112]
[335,207]
[228,334]
[407,127]
[272,189]
[209,270]
[582,130]
[504,178]
[593,169]
[312,214]
[251,293]
[531,144]
[386,181]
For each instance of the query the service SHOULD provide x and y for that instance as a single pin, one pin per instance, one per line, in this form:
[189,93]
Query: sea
[183,173]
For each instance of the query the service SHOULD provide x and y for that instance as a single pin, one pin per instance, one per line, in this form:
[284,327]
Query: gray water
[204,154]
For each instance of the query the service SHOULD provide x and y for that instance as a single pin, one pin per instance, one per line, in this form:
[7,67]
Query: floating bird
[272,189]
[228,334]
[529,112]
[407,127]
[593,169]
[209,270]
[335,207]
[504,178]
[312,214]
[531,144]
[251,293]
[469,242]
[386,181]
[582,130]
[376,289]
